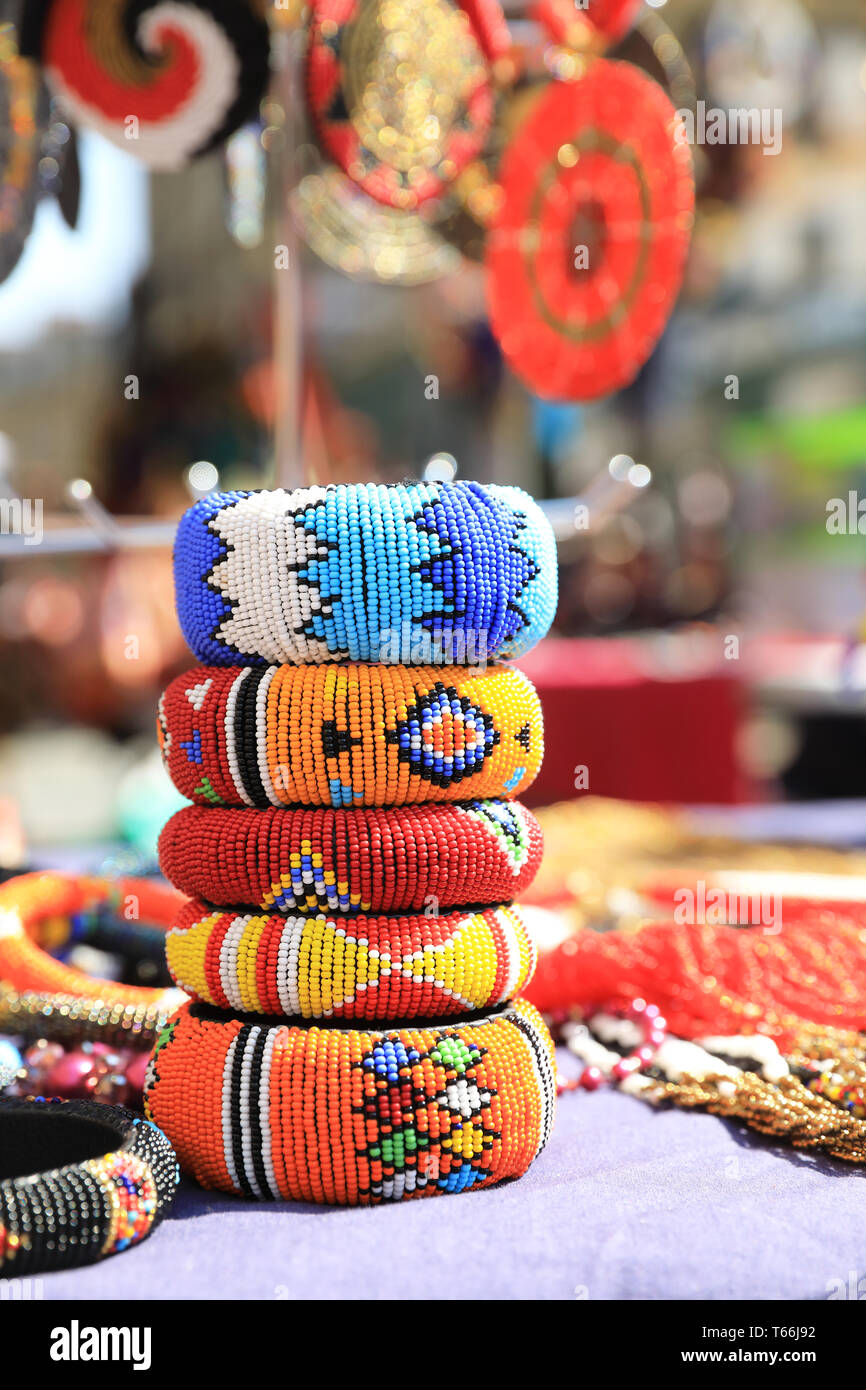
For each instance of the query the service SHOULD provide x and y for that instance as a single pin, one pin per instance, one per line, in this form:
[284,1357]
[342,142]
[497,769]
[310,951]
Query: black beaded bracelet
[78,1181]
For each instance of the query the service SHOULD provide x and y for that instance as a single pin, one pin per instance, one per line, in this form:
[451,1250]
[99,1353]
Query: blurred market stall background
[707,646]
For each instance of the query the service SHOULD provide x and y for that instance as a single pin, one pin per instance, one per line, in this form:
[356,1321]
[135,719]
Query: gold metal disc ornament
[400,94]
[364,239]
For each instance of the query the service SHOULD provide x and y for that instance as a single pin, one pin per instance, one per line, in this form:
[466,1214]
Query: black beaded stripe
[94,1213]
[237,1117]
[64,1216]
[245,736]
[336,740]
[506,822]
[546,1075]
[258,1052]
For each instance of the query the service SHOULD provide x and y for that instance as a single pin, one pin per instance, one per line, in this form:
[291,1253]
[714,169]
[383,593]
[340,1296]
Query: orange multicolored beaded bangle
[40,911]
[349,1115]
[360,967]
[350,735]
[407,859]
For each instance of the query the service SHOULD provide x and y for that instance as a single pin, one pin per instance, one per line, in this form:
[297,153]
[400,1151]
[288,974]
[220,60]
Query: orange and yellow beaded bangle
[406,859]
[350,735]
[349,1115]
[44,910]
[358,967]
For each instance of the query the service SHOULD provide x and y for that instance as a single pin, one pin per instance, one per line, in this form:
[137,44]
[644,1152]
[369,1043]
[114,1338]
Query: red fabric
[567,24]
[643,736]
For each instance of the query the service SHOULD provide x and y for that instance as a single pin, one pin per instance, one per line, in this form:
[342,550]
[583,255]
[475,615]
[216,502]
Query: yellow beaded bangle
[363,967]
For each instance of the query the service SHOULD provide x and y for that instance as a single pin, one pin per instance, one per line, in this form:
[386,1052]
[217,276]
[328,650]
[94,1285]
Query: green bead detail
[453,1054]
[205,788]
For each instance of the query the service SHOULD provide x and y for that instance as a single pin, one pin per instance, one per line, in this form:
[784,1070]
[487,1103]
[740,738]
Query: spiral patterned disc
[164,79]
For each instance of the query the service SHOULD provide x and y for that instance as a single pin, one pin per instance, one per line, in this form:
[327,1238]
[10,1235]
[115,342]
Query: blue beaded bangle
[432,574]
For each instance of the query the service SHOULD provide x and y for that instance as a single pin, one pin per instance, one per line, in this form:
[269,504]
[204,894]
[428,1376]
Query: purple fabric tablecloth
[624,1203]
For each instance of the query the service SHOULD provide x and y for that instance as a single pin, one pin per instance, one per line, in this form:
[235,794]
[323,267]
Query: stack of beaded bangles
[357,967]
[49,910]
[111,1177]
[445,574]
[353,735]
[408,859]
[350,1115]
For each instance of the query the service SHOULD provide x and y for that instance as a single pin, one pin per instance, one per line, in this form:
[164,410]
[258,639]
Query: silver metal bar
[84,540]
[61,538]
[289,470]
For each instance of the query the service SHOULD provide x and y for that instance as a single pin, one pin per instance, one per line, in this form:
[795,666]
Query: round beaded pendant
[587,252]
[399,92]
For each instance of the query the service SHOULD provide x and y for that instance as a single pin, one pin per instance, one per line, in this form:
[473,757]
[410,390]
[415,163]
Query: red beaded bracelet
[356,967]
[408,859]
[352,1115]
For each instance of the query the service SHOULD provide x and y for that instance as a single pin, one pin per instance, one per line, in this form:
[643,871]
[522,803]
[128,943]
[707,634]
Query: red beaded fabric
[718,980]
[408,859]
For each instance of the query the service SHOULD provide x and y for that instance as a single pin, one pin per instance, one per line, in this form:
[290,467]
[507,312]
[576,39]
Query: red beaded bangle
[356,967]
[352,1115]
[408,859]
